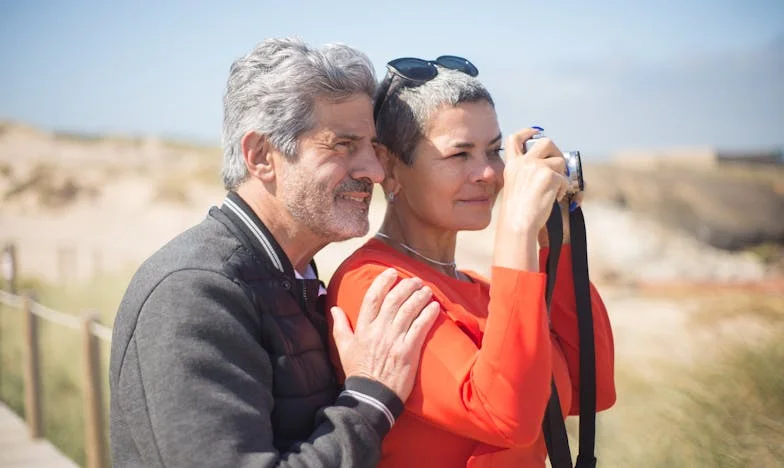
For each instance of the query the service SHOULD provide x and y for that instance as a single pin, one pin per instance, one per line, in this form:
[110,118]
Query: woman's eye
[496,152]
[459,155]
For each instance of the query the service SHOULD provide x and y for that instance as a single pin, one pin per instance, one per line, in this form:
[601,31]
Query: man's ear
[257,152]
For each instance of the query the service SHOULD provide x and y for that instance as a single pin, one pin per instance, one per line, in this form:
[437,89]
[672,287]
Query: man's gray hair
[403,118]
[272,91]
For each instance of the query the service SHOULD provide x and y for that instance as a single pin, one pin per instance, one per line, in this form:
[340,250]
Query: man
[219,349]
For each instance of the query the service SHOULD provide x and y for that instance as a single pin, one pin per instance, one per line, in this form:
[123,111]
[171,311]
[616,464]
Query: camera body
[574,166]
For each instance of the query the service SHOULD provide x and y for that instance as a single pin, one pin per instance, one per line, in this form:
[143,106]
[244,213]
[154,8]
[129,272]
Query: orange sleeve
[563,315]
[495,394]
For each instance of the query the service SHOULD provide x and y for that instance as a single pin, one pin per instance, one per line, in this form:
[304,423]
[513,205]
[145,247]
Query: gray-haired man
[219,354]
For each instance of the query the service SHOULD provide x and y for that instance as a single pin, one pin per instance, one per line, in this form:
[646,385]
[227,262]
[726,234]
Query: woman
[486,368]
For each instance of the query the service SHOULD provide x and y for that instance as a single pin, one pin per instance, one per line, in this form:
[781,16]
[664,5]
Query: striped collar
[234,204]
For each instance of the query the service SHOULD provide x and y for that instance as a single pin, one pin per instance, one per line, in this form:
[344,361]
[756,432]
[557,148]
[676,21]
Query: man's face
[328,188]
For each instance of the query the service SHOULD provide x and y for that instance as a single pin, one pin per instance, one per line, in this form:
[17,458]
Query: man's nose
[367,165]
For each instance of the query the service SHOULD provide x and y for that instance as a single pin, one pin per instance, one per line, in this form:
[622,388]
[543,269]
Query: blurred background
[110,118]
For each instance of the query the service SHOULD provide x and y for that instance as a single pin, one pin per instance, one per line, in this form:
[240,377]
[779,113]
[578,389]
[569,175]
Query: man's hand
[391,329]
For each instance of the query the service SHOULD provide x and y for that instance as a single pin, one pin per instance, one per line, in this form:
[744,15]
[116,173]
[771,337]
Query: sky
[599,76]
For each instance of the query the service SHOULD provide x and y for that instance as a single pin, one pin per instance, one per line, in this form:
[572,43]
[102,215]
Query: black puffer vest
[293,327]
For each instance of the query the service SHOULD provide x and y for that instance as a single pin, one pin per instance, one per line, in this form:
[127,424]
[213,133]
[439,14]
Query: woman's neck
[428,245]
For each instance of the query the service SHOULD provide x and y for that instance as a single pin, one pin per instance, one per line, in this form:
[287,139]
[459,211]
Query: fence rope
[10,299]
[101,331]
[55,316]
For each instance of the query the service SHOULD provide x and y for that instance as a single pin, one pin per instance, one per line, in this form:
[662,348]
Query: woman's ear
[388,161]
[259,156]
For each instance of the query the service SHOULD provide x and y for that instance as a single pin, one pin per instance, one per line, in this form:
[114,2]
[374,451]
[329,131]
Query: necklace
[452,264]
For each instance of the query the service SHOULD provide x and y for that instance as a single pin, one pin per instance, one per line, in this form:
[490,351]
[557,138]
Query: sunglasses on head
[418,71]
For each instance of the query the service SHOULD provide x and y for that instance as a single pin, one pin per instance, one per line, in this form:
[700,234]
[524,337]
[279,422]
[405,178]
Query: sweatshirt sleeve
[195,387]
[564,324]
[495,393]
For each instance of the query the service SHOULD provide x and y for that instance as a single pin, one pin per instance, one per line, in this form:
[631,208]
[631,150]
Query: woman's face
[457,169]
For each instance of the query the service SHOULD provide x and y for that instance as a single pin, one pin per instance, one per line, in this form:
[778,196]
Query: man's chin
[347,231]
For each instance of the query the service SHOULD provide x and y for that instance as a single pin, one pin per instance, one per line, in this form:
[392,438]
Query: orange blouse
[484,378]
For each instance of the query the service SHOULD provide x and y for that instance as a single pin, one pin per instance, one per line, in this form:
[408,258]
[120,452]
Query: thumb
[341,328]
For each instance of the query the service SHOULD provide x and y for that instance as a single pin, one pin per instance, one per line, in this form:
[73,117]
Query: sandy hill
[77,206]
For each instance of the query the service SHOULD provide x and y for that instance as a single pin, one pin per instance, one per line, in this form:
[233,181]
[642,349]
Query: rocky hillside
[729,206]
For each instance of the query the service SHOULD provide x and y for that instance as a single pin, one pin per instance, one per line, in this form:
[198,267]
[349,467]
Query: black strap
[555,236]
[553,426]
[582,294]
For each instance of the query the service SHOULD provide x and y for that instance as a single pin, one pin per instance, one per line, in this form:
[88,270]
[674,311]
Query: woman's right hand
[532,183]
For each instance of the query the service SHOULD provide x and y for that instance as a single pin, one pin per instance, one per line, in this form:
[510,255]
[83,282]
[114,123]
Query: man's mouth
[363,198]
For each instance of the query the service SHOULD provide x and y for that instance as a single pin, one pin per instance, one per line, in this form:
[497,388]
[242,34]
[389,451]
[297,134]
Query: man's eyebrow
[348,136]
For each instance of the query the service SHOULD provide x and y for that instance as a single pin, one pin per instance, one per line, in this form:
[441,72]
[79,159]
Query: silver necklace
[452,264]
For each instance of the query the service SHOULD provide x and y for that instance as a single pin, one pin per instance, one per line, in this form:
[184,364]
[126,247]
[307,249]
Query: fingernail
[536,127]
[572,206]
[390,272]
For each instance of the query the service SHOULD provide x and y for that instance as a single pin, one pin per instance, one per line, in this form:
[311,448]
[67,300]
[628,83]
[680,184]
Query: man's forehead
[351,116]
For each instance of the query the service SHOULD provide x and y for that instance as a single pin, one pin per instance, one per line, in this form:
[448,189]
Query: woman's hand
[532,183]
[544,239]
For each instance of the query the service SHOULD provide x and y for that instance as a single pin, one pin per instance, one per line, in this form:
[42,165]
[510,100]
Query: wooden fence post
[10,267]
[93,401]
[32,381]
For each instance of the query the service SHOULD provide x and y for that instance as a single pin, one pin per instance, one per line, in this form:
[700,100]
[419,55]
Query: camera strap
[553,426]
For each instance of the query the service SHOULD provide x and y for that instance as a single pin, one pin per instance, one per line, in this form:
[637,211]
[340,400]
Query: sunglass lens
[457,63]
[414,68]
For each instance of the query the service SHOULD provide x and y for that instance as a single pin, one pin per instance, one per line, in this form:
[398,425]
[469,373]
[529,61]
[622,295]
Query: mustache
[355,185]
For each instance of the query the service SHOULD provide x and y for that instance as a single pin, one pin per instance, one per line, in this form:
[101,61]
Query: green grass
[61,357]
[723,410]
[731,414]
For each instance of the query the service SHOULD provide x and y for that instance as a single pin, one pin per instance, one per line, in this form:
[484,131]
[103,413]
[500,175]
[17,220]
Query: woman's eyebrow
[471,145]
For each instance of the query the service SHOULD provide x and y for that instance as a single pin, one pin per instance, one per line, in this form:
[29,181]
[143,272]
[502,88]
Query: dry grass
[726,410]
[723,409]
[49,187]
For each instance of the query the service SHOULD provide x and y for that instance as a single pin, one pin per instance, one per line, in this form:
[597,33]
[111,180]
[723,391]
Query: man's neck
[298,243]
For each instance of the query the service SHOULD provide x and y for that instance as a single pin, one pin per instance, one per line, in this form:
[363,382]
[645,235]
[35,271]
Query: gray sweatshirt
[191,383]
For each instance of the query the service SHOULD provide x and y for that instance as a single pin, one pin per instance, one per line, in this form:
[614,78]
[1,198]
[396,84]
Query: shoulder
[367,262]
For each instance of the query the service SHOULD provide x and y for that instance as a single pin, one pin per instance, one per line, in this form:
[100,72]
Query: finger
[563,187]
[556,164]
[578,199]
[515,143]
[395,299]
[341,329]
[544,148]
[420,327]
[410,309]
[374,297]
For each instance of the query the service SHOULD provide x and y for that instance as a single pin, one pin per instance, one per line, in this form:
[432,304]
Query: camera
[574,165]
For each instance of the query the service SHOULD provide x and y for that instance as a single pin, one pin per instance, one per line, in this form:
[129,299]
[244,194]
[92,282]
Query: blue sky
[599,76]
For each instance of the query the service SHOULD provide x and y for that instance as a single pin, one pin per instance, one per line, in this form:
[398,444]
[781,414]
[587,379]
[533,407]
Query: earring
[391,197]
